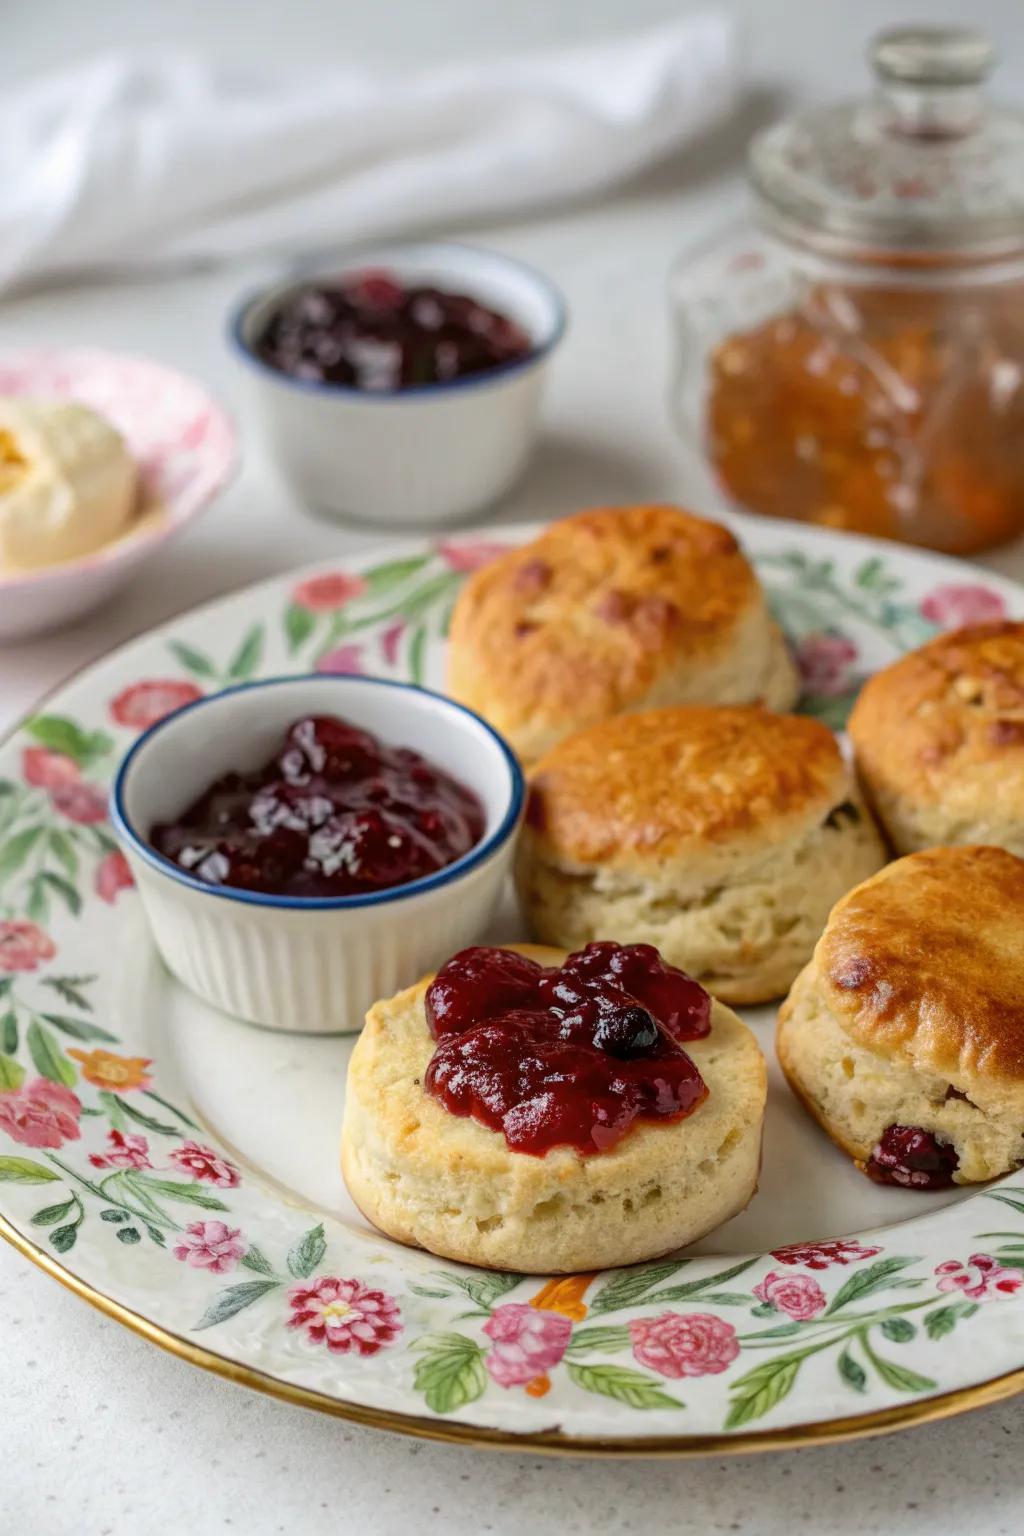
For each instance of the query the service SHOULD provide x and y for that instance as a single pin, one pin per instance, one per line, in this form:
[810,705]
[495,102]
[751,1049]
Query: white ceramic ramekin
[412,457]
[311,965]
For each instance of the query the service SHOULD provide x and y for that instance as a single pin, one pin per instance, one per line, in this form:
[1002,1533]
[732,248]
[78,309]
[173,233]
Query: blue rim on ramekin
[450,872]
[345,259]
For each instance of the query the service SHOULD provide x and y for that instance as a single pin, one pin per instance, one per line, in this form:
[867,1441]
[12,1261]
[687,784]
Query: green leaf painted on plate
[189,1194]
[70,989]
[604,1340]
[156,1235]
[193,660]
[48,1057]
[21,1170]
[633,1388]
[899,1377]
[299,624]
[64,850]
[113,1215]
[61,734]
[78,1029]
[12,1074]
[484,1289]
[64,1238]
[158,1127]
[417,646]
[64,889]
[632,1284]
[451,1372]
[853,1374]
[382,578]
[1015,1205]
[879,1276]
[128,1235]
[51,1213]
[693,1288]
[247,658]
[898,1329]
[234,1299]
[424,1290]
[16,850]
[9,1032]
[255,1260]
[761,1389]
[307,1252]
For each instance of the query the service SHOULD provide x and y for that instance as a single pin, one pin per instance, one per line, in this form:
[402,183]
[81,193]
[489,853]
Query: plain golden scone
[939,740]
[723,836]
[616,609]
[453,1186]
[911,1012]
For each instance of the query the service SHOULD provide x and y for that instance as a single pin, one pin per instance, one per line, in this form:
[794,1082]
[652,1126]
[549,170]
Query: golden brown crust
[926,960]
[945,724]
[583,621]
[657,785]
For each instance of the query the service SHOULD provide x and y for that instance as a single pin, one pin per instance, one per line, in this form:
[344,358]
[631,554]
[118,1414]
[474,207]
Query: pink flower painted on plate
[122,1152]
[684,1344]
[389,641]
[345,1315]
[41,1114]
[326,594]
[143,704]
[825,661]
[982,1278]
[470,554]
[206,1164]
[85,804]
[211,1245]
[962,602]
[344,659]
[821,1255]
[44,769]
[527,1342]
[112,877]
[23,946]
[799,1296]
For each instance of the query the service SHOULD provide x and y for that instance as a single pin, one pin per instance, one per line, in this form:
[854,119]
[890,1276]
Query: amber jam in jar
[858,360]
[568,1056]
[335,812]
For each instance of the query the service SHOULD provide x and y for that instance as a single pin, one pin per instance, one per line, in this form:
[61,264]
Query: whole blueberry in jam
[913,1158]
[572,1055]
[335,812]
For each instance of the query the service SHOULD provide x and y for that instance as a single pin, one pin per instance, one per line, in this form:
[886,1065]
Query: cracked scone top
[615,609]
[939,740]
[911,1014]
[721,835]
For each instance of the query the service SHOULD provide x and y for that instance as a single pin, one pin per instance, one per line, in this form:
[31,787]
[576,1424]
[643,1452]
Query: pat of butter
[67,482]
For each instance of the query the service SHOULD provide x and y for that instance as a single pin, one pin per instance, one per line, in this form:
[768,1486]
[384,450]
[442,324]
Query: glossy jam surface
[370,332]
[572,1056]
[335,812]
[913,1158]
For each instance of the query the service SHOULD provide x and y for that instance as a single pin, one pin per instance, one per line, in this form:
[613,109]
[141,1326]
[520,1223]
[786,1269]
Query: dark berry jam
[566,1057]
[370,332]
[334,813]
[911,1157]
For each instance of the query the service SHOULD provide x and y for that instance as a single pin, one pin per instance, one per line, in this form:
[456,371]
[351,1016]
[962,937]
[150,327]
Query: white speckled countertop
[103,1434]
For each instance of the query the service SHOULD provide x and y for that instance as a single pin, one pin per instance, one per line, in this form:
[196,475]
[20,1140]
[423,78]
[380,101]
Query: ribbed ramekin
[311,965]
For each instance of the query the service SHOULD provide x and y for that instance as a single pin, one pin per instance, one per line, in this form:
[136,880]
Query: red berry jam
[566,1057]
[370,332]
[911,1157]
[334,813]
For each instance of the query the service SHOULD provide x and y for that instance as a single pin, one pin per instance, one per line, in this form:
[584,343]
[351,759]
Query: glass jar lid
[926,169]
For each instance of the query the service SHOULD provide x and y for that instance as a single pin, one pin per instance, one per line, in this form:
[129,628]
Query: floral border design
[124,1168]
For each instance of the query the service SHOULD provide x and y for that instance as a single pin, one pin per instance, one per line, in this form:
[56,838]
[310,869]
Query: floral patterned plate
[180,1169]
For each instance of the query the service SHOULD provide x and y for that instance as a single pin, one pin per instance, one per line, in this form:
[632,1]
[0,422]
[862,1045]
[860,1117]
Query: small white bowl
[311,965]
[424,455]
[182,440]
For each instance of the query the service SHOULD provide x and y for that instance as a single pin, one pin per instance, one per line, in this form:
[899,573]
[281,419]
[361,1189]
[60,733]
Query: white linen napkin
[130,160]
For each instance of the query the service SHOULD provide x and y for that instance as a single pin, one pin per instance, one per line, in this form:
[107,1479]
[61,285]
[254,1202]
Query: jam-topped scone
[904,1036]
[722,835]
[617,609]
[939,739]
[530,1111]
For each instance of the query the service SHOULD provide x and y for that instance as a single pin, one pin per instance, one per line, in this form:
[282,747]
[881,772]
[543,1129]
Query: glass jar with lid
[858,360]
